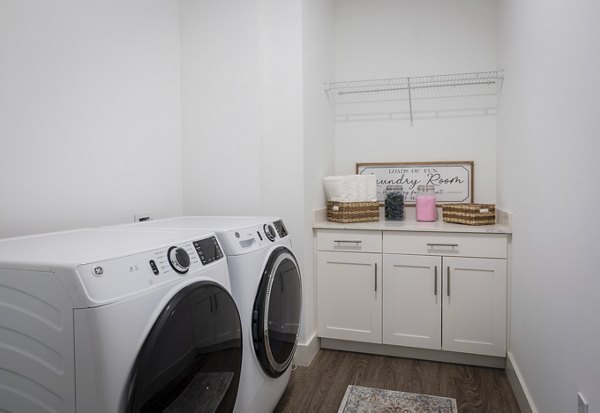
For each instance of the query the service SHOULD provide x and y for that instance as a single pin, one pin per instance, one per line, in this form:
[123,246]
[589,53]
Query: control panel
[208,250]
[110,279]
[244,240]
[269,232]
[174,260]
[280,228]
[179,259]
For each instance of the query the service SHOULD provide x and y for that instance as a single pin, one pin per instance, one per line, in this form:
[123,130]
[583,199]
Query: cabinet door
[412,300]
[349,291]
[474,308]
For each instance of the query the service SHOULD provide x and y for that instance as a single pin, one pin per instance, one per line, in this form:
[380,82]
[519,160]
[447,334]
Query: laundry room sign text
[453,181]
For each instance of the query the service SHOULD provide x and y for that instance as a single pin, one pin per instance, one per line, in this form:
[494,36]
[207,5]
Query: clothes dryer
[266,285]
[117,321]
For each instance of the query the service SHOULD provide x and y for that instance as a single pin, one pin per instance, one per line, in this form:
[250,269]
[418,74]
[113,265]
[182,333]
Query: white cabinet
[460,278]
[447,303]
[349,240]
[445,244]
[349,296]
[412,301]
[436,291]
[474,310]
[349,285]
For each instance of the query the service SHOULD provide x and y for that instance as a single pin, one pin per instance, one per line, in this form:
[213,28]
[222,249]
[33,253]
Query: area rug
[366,399]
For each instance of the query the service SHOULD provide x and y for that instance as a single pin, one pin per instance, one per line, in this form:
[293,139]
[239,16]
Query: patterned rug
[366,399]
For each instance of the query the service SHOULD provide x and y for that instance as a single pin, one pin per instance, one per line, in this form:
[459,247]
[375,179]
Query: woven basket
[352,211]
[470,214]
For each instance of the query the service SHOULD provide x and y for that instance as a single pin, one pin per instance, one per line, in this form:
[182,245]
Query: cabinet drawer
[447,244]
[349,240]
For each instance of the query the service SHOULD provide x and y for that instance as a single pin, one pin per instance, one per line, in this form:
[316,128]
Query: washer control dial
[179,259]
[269,232]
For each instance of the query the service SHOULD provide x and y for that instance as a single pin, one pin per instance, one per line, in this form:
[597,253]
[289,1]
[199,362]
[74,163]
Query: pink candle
[426,209]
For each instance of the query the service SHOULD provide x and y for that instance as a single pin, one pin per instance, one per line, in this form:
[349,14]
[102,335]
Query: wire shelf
[410,89]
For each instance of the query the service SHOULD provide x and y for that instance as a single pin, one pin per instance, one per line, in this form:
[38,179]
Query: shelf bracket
[410,101]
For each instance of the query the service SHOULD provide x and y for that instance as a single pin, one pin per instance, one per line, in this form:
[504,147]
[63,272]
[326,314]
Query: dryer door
[192,357]
[276,314]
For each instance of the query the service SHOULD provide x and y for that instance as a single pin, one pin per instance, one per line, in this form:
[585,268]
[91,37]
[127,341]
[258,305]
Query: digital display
[208,250]
[281,230]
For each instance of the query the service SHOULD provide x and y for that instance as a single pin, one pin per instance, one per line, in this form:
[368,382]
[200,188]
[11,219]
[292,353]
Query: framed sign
[453,181]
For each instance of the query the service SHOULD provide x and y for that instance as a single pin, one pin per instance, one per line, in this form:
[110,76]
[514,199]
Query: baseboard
[414,353]
[518,385]
[306,352]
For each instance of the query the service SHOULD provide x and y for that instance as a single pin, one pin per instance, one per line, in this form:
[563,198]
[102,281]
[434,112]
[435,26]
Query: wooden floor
[321,387]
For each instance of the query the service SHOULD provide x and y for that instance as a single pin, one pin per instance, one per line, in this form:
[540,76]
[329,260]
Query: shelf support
[410,101]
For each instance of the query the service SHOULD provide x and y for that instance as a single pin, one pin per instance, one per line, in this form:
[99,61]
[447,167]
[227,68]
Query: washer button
[98,271]
[154,267]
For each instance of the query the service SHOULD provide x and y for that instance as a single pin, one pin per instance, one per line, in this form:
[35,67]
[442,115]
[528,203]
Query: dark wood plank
[321,387]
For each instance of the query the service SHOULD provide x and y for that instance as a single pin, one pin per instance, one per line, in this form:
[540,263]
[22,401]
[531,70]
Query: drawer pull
[448,276]
[375,277]
[433,245]
[342,241]
[435,285]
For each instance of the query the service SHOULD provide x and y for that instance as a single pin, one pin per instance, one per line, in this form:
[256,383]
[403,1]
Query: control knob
[269,232]
[179,259]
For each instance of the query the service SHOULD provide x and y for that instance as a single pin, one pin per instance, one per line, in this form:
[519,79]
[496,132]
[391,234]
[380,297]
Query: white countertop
[411,224]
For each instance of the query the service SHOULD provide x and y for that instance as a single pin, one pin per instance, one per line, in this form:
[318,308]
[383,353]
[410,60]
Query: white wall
[548,148]
[250,70]
[90,104]
[282,129]
[396,38]
[318,135]
[221,107]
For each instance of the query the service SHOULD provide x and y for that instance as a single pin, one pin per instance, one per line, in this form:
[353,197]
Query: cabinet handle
[433,244]
[342,241]
[375,277]
[435,285]
[448,280]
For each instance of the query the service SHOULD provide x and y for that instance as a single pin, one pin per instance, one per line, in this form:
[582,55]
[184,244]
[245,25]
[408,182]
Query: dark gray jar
[394,203]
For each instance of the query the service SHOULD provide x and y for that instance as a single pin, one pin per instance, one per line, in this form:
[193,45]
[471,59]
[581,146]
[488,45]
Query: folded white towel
[350,188]
[362,188]
[335,188]
[351,183]
[371,188]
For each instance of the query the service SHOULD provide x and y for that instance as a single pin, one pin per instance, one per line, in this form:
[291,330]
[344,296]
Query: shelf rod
[370,91]
[409,87]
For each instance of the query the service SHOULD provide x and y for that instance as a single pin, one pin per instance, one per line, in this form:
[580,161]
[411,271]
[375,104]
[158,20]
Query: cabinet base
[414,353]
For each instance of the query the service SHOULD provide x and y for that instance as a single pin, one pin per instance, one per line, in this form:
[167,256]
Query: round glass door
[276,315]
[192,357]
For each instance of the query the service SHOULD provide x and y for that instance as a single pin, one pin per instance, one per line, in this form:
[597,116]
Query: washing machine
[266,285]
[99,320]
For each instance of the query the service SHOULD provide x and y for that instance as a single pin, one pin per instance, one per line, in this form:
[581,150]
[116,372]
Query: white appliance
[266,285]
[117,321]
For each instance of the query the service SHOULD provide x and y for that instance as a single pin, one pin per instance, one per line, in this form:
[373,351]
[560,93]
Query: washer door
[276,314]
[192,357]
